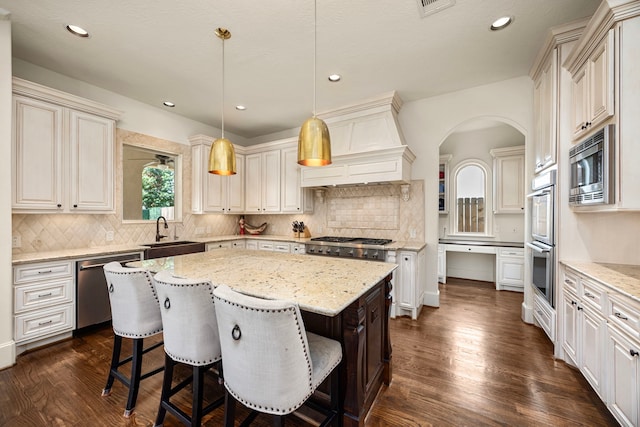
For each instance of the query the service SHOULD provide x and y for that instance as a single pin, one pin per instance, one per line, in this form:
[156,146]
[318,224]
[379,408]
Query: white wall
[136,116]
[7,346]
[426,123]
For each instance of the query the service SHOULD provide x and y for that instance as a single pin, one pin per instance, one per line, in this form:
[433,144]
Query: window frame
[453,198]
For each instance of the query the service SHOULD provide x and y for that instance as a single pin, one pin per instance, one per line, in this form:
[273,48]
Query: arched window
[471,205]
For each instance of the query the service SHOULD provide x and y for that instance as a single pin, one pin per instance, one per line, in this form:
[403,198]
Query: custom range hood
[367,146]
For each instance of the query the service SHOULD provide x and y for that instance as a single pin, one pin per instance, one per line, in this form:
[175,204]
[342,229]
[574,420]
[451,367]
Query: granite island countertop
[322,285]
[624,278]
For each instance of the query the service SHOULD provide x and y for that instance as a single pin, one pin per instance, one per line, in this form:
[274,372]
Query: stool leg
[166,389]
[229,409]
[115,360]
[278,421]
[134,383]
[196,403]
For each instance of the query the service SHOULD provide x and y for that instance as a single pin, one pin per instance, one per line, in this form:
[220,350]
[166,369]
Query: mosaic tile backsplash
[376,211]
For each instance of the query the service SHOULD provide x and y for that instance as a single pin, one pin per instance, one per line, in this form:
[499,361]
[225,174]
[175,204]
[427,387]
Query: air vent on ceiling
[429,7]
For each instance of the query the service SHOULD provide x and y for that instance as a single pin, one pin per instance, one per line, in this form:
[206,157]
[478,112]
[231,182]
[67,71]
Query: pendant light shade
[314,142]
[222,157]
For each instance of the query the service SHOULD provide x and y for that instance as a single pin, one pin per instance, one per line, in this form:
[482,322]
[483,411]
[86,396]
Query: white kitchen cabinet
[295,199]
[70,142]
[443,183]
[218,245]
[593,88]
[410,282]
[584,327]
[544,315]
[44,303]
[298,248]
[215,193]
[545,108]
[510,269]
[274,246]
[508,180]
[251,245]
[624,377]
[262,185]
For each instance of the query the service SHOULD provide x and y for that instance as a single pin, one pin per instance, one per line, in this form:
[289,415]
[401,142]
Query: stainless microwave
[592,169]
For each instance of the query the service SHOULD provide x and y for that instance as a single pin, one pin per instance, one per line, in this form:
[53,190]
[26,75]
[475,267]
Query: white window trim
[453,197]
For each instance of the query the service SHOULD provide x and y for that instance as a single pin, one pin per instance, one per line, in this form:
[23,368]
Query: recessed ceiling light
[77,31]
[168,104]
[501,23]
[334,78]
[240,107]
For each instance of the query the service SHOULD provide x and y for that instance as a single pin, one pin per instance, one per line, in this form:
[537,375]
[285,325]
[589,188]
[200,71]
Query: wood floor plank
[470,362]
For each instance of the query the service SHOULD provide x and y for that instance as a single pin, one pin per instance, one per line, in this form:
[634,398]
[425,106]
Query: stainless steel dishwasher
[92,298]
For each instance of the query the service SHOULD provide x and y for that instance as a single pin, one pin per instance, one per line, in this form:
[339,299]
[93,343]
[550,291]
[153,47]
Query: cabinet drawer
[282,247]
[265,246]
[593,295]
[28,297]
[570,281]
[545,316]
[42,271]
[43,323]
[625,314]
[513,252]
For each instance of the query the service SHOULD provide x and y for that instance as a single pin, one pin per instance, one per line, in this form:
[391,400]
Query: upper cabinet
[545,98]
[214,193]
[70,142]
[593,88]
[294,198]
[443,179]
[262,191]
[508,179]
[604,68]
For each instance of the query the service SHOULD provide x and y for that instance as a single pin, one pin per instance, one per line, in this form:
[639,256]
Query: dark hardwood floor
[471,362]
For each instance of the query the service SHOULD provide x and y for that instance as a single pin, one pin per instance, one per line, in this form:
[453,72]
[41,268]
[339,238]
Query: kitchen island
[344,299]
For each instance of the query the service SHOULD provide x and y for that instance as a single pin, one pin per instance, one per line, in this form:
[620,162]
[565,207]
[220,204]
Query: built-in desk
[508,260]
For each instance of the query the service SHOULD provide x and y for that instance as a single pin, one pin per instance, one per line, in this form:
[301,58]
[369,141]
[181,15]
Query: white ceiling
[156,50]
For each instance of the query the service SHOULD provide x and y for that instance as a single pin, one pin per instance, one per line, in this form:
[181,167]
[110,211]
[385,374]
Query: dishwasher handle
[100,265]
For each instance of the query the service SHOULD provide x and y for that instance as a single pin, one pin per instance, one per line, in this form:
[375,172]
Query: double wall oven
[348,247]
[542,242]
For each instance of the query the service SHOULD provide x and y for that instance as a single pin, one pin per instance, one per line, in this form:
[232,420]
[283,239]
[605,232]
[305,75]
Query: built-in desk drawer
[470,249]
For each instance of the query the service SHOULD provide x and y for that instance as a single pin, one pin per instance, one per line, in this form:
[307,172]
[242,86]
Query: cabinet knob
[588,123]
[579,308]
[59,205]
[573,303]
[633,352]
[75,206]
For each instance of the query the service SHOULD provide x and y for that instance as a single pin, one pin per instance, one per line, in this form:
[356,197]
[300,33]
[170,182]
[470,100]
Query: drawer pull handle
[569,282]
[45,323]
[621,317]
[573,303]
[633,352]
[589,295]
[45,271]
[45,295]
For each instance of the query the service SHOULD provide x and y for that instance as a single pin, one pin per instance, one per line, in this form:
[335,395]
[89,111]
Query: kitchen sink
[164,249]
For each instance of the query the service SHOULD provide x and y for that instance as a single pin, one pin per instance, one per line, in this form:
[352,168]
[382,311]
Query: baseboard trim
[432,299]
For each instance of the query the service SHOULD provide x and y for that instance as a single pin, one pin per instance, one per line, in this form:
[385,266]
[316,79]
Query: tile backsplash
[376,211]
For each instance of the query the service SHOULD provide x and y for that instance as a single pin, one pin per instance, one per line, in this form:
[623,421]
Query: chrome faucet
[166,226]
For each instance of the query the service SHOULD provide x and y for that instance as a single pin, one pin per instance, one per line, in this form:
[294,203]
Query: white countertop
[321,285]
[624,278]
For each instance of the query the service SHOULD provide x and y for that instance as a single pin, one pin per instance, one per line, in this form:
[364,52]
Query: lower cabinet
[510,269]
[409,283]
[44,298]
[544,315]
[601,336]
[229,244]
[442,264]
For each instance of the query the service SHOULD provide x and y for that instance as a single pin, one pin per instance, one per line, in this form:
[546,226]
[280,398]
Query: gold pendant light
[222,157]
[314,143]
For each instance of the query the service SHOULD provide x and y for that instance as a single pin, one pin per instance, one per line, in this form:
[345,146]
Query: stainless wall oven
[592,167]
[542,244]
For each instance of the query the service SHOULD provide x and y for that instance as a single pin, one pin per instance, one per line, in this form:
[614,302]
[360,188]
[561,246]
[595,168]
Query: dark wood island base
[363,330]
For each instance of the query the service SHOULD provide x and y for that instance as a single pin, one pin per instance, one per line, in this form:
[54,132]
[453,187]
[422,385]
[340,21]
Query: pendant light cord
[315,53]
[222,112]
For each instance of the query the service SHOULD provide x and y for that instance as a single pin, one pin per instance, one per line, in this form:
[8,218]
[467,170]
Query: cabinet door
[601,81]
[215,193]
[271,181]
[37,147]
[511,271]
[375,312]
[253,183]
[91,146]
[406,282]
[545,100]
[291,191]
[580,101]
[592,329]
[623,377]
[570,326]
[442,265]
[509,197]
[235,187]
